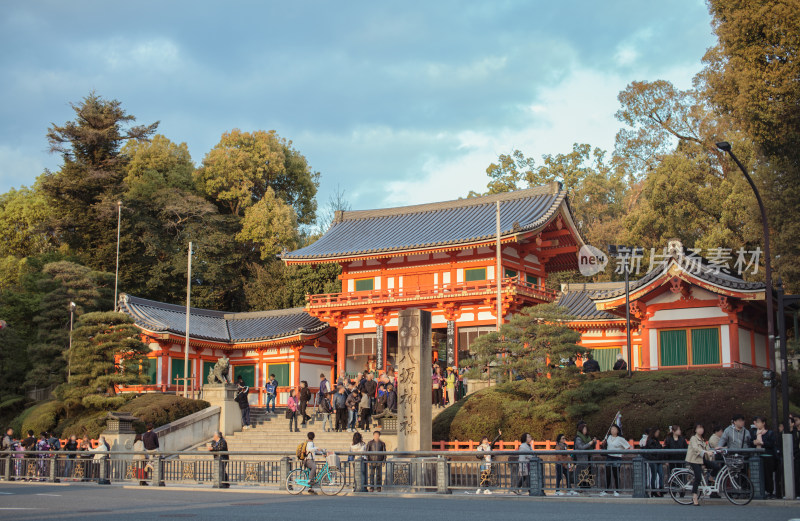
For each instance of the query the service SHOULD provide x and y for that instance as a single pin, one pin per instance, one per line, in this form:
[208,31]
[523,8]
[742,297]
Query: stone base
[222,395]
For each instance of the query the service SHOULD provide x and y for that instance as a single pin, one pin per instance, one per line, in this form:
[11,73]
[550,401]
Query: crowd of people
[577,472]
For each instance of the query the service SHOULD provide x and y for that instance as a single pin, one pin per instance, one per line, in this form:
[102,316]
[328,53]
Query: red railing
[437,291]
[505,445]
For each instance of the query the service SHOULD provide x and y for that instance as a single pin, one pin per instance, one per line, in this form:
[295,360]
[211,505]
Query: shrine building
[442,257]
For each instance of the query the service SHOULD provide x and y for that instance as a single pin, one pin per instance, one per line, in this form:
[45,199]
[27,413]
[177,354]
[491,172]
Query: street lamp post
[116,275]
[614,250]
[726,147]
[72,307]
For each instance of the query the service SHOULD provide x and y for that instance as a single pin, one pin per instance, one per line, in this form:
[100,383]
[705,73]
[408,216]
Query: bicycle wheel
[680,486]
[332,482]
[738,489]
[295,480]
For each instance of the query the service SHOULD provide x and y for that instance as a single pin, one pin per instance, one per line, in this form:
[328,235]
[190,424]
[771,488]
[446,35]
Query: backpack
[301,451]
[55,443]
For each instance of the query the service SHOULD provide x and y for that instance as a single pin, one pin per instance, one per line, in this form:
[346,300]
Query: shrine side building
[442,258]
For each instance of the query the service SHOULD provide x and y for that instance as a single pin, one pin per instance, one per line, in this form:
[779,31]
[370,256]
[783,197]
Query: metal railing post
[53,470]
[359,472]
[639,477]
[158,470]
[536,477]
[285,468]
[103,471]
[216,473]
[442,476]
[7,470]
[757,476]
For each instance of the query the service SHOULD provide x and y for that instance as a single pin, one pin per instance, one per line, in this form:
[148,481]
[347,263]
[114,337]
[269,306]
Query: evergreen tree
[106,353]
[529,345]
[63,282]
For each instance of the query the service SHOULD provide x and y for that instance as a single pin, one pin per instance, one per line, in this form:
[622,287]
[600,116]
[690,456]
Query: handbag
[289,413]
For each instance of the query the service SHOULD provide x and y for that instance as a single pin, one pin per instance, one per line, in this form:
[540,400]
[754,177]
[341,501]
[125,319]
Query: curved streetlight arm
[726,147]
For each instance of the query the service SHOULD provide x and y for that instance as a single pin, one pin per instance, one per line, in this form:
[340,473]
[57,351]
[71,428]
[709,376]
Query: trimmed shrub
[42,417]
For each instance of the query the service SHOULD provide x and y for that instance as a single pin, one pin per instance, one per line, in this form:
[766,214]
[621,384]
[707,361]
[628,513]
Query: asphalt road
[28,502]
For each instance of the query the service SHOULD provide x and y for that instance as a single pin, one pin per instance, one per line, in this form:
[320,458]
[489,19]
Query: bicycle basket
[735,463]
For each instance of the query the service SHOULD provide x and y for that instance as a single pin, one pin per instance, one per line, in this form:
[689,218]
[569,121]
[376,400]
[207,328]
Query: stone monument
[119,432]
[414,381]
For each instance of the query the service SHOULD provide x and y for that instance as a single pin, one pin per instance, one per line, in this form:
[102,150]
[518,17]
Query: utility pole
[188,314]
[498,275]
[116,275]
[69,359]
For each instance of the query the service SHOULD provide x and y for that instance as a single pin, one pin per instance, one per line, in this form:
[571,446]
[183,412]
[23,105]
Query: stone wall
[189,430]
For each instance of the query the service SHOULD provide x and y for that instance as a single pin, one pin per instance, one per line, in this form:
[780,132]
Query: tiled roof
[434,225]
[576,297]
[219,326]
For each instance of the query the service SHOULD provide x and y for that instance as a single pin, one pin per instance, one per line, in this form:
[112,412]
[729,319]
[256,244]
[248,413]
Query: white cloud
[155,54]
[17,165]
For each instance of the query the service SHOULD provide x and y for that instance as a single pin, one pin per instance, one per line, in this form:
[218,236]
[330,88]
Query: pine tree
[527,346]
[106,353]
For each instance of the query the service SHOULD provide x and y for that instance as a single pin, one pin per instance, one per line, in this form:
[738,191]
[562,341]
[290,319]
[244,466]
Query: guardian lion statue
[219,375]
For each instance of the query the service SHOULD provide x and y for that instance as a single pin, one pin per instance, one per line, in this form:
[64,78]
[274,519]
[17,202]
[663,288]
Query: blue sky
[395,102]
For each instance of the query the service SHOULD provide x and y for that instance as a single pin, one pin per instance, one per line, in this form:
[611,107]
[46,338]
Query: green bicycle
[330,481]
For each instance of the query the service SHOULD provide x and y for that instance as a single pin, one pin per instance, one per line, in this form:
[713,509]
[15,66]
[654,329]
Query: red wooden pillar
[644,355]
[164,367]
[262,378]
[296,362]
[340,350]
[733,335]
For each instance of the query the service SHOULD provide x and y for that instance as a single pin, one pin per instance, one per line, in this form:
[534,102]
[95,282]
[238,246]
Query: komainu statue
[219,375]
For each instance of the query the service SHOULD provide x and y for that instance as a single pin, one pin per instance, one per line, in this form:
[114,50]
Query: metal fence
[639,473]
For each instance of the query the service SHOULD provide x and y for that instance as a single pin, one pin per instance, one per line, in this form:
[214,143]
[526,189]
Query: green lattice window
[474,274]
[247,372]
[281,372]
[365,284]
[531,279]
[208,367]
[606,357]
[509,273]
[705,346]
[673,347]
[177,371]
[150,369]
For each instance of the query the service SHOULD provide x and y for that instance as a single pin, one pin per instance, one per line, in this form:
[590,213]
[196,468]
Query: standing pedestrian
[340,406]
[375,473]
[272,393]
[523,465]
[391,398]
[305,397]
[735,436]
[583,469]
[698,448]
[324,389]
[620,364]
[764,438]
[438,381]
[563,467]
[291,411]
[485,475]
[220,445]
[351,403]
[72,447]
[655,466]
[244,405]
[450,380]
[327,413]
[615,441]
[675,441]
[364,411]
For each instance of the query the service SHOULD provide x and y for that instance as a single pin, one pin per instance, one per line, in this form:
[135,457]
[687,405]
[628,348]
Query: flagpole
[188,314]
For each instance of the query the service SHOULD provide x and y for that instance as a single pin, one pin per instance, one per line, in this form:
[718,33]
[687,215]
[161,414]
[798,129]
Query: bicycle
[731,482]
[331,481]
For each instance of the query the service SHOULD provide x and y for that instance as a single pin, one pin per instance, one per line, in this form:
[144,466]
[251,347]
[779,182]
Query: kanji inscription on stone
[414,380]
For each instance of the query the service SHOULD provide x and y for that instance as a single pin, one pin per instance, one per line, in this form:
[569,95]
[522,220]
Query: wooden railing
[461,289]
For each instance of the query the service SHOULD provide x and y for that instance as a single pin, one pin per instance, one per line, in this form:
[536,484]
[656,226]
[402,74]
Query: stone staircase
[270,432]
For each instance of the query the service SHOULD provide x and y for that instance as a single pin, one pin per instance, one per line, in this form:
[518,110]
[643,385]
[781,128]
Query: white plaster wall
[446,277]
[654,349]
[310,373]
[158,371]
[485,315]
[377,283]
[438,319]
[314,350]
[761,350]
[352,325]
[369,323]
[744,346]
[467,317]
[390,283]
[460,275]
[490,273]
[593,332]
[688,313]
[351,285]
[725,345]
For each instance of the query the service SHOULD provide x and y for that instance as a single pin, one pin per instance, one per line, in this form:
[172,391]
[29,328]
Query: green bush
[161,409]
[547,407]
[42,417]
